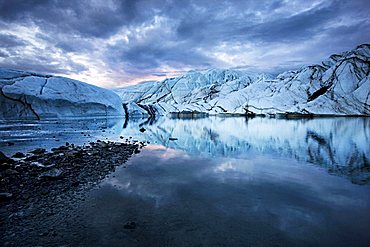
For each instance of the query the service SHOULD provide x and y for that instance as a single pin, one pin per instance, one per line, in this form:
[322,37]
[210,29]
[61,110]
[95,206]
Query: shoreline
[45,184]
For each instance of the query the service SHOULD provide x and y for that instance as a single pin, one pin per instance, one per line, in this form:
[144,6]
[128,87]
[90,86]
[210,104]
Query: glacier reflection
[341,145]
[30,134]
[226,201]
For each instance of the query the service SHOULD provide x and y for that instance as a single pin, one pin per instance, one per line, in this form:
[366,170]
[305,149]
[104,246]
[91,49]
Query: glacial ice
[27,95]
[339,86]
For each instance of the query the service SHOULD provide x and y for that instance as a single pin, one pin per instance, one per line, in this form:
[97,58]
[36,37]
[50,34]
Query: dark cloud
[3,54]
[18,9]
[76,46]
[296,27]
[42,66]
[83,17]
[150,56]
[132,38]
[9,41]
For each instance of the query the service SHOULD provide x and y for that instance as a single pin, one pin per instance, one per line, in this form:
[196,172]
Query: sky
[114,43]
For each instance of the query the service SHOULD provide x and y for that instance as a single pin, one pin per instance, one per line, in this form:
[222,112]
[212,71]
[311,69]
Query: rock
[5,159]
[130,225]
[25,196]
[54,173]
[11,172]
[19,155]
[38,194]
[38,151]
[35,163]
[5,195]
[75,183]
[142,129]
[103,144]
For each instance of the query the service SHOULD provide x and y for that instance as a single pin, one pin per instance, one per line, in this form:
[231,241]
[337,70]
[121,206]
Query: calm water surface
[223,182]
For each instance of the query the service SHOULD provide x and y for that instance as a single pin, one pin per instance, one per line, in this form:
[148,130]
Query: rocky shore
[39,188]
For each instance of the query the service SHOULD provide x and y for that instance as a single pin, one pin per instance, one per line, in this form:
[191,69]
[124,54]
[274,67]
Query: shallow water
[182,200]
[223,182]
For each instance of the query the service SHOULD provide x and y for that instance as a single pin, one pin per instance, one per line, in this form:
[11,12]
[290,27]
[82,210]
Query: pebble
[130,225]
[5,159]
[18,155]
[38,151]
[45,190]
[5,195]
[54,173]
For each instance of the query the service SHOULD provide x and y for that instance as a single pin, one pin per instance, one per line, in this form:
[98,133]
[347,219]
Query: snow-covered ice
[27,95]
[339,85]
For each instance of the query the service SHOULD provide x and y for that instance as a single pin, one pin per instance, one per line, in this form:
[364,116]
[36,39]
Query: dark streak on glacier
[24,103]
[340,86]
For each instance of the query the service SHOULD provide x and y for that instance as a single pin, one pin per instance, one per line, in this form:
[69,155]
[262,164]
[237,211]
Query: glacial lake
[219,181]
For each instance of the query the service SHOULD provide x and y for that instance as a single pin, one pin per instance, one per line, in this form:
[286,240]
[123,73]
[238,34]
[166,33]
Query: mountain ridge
[340,85]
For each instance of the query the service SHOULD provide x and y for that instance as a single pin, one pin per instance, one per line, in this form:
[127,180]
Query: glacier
[339,85]
[28,95]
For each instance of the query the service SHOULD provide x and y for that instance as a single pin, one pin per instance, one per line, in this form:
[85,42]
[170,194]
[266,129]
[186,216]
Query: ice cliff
[27,95]
[339,85]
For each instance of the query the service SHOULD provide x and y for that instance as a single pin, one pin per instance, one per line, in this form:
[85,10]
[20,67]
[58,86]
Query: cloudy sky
[113,43]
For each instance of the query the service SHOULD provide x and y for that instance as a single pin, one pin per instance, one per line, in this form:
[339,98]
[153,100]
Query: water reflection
[27,135]
[223,182]
[179,199]
[342,145]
